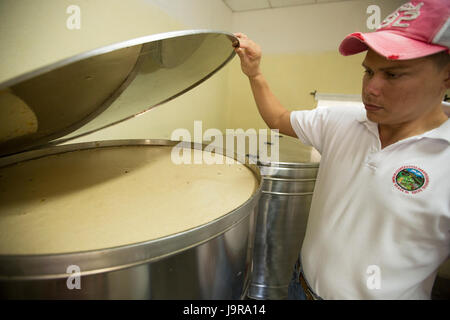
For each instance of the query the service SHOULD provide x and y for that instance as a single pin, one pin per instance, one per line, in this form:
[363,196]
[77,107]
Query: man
[379,223]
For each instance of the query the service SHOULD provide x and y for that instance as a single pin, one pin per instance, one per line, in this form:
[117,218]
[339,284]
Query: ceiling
[248,5]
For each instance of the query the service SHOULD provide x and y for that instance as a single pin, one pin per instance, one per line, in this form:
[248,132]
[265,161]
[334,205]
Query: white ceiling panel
[289,3]
[322,1]
[245,5]
[248,5]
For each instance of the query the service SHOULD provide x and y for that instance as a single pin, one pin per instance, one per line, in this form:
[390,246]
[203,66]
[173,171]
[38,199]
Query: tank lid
[99,88]
[291,151]
[294,152]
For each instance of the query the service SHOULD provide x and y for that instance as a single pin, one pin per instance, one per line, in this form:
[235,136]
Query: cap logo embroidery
[410,12]
[410,179]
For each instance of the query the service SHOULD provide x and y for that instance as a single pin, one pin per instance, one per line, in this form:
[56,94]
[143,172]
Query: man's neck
[390,134]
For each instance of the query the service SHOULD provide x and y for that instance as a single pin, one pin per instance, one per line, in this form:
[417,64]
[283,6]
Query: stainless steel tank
[288,186]
[210,261]
[94,90]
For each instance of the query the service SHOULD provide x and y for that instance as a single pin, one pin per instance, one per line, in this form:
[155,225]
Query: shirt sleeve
[309,126]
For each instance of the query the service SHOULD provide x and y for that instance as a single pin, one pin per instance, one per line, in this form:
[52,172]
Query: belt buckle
[308,293]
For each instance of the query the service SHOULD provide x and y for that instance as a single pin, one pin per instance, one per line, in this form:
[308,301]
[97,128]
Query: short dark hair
[440,59]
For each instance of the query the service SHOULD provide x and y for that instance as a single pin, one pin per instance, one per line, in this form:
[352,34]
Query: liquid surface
[108,197]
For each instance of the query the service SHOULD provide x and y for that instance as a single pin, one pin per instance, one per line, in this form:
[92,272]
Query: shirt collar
[441,133]
[362,117]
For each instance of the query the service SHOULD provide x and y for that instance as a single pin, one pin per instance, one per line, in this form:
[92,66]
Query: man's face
[397,92]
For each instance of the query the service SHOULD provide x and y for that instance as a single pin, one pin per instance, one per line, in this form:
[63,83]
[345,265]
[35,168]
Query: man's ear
[447,80]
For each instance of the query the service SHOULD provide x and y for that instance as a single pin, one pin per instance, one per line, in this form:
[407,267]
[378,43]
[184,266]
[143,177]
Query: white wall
[308,28]
[33,34]
[198,14]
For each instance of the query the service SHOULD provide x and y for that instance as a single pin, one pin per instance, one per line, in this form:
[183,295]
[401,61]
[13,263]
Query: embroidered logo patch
[410,179]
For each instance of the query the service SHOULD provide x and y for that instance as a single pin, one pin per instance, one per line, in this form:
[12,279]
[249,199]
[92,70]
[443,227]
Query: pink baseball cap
[417,29]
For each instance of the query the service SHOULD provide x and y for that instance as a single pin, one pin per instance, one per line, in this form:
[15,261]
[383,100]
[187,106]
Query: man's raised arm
[271,110]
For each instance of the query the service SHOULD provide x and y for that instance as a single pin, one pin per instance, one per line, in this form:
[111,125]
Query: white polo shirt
[379,223]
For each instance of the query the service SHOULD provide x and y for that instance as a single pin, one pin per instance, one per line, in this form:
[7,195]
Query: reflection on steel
[282,217]
[105,86]
[211,261]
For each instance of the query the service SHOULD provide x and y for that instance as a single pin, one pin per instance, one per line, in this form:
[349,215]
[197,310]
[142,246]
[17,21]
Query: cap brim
[388,44]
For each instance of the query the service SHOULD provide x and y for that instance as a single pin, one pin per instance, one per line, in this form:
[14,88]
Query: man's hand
[250,54]
[271,110]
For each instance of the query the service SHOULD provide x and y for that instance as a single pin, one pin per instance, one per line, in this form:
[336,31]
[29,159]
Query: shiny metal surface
[288,187]
[103,87]
[292,154]
[217,269]
[283,211]
[211,261]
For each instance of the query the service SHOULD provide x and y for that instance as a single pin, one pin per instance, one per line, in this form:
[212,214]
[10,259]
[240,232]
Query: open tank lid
[102,87]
